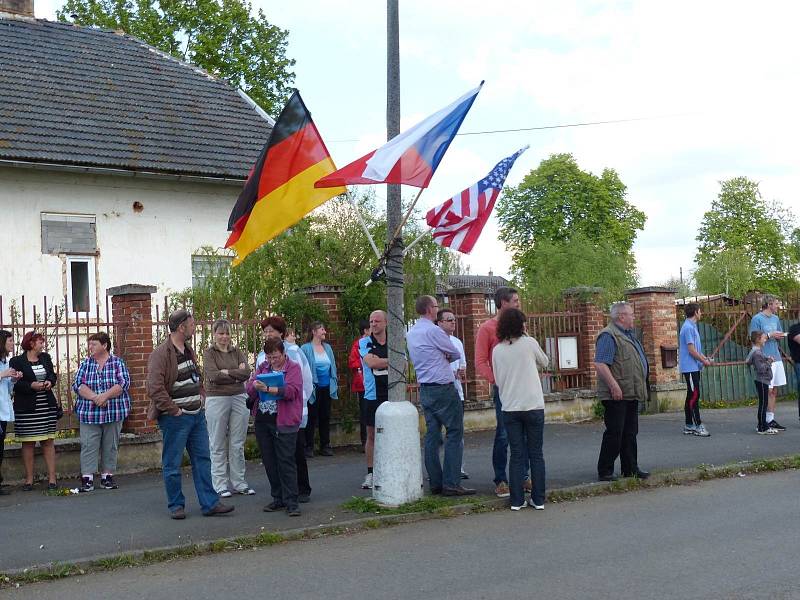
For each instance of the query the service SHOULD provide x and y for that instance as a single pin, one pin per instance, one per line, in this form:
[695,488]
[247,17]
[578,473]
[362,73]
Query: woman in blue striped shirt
[102,383]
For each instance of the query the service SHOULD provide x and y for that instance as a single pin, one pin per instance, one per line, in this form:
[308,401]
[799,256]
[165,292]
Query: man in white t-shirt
[446,319]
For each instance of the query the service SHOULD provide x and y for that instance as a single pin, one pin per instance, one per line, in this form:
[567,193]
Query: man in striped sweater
[177,399]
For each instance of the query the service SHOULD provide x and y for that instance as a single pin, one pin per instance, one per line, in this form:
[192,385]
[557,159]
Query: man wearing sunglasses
[177,400]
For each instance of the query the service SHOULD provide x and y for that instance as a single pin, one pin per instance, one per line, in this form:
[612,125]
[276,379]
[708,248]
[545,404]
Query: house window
[81,285]
[63,233]
[205,265]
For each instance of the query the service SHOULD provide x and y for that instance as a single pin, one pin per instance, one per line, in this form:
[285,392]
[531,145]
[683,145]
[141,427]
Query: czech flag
[279,190]
[412,157]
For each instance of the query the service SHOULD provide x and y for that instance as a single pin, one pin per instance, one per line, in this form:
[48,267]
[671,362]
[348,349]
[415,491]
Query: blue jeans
[189,432]
[525,429]
[442,407]
[500,448]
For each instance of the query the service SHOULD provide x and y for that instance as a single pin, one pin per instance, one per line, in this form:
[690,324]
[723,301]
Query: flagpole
[419,237]
[364,226]
[408,214]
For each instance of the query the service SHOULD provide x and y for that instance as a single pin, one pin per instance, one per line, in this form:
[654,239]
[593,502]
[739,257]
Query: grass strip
[374,516]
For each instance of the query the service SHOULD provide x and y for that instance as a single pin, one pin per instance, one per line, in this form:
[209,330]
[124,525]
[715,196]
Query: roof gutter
[259,111]
[120,172]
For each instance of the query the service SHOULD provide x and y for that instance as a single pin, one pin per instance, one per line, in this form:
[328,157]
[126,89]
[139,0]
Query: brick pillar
[469,306]
[327,296]
[655,315]
[131,309]
[583,300]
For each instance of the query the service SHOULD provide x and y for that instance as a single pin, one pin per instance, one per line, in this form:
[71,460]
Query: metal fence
[65,338]
[725,338]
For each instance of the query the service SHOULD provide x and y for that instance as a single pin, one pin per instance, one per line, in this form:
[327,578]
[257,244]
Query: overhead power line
[542,127]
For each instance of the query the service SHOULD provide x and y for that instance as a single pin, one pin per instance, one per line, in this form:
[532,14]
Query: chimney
[16,8]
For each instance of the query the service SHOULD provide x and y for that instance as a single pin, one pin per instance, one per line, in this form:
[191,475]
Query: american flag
[457,223]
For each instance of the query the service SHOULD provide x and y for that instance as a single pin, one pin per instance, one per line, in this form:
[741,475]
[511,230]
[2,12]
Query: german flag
[279,190]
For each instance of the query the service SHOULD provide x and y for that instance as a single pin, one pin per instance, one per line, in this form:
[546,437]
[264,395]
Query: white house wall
[152,247]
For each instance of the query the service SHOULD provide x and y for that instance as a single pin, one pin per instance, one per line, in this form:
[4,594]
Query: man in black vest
[621,384]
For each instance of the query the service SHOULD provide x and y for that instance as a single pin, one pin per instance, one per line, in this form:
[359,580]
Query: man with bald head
[375,358]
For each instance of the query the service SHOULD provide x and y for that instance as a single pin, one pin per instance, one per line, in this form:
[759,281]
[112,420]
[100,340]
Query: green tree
[730,272]
[683,288]
[556,266]
[566,227]
[328,247]
[742,235]
[221,36]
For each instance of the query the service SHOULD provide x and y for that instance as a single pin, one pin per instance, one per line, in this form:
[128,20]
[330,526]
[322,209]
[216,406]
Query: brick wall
[592,321]
[655,314]
[328,298]
[469,305]
[131,309]
[18,7]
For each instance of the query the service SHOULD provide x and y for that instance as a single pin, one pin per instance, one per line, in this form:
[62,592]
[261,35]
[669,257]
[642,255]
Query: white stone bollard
[397,473]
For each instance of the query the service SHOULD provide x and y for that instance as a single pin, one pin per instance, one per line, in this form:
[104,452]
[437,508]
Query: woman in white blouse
[514,361]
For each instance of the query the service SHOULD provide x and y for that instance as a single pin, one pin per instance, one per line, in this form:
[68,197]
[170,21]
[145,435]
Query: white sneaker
[536,506]
[225,494]
[689,430]
[367,485]
[768,431]
[518,507]
[701,431]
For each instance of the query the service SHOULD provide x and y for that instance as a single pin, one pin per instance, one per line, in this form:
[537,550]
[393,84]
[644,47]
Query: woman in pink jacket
[278,411]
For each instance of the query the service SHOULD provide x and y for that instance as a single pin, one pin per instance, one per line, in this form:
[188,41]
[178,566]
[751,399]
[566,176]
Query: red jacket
[354,363]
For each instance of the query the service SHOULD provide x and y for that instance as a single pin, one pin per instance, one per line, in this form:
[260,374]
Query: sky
[713,87]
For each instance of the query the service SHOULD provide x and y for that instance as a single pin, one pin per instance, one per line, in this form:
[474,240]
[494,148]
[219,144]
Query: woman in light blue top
[326,388]
[7,378]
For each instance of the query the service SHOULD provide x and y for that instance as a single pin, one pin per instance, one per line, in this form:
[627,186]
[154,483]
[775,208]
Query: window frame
[92,282]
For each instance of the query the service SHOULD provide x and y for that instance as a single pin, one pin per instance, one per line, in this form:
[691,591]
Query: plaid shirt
[114,372]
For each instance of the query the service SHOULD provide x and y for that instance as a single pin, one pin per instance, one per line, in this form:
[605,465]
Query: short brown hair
[756,335]
[423,304]
[511,324]
[177,317]
[503,294]
[276,322]
[102,337]
[273,345]
[29,339]
[691,309]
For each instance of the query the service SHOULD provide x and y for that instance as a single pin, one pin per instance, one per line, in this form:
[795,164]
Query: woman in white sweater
[514,361]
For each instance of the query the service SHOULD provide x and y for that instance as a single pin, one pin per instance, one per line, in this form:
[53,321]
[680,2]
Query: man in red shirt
[504,297]
[357,377]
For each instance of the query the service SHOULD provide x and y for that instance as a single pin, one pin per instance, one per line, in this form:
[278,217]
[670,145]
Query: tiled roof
[92,97]
[490,283]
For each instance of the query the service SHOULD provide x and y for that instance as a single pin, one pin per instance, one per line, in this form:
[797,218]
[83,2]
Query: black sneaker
[274,506]
[87,484]
[775,425]
[108,482]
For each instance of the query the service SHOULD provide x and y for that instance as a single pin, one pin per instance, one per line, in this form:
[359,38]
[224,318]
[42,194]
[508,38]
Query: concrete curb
[369,521]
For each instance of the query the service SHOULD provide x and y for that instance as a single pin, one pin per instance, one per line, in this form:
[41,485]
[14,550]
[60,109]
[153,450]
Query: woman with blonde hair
[226,370]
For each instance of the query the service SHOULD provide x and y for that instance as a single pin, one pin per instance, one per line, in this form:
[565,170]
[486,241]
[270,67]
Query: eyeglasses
[449,320]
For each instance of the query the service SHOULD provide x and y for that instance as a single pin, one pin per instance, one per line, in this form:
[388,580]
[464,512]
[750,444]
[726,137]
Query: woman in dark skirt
[35,406]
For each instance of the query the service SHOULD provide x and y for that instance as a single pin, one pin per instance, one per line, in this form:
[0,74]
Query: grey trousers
[97,440]
[227,418]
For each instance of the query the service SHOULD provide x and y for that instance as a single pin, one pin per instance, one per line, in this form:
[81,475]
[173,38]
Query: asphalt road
[66,529]
[728,539]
